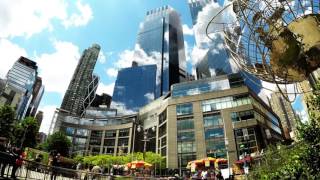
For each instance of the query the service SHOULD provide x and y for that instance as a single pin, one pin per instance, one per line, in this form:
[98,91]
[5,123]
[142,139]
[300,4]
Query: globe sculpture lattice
[276,40]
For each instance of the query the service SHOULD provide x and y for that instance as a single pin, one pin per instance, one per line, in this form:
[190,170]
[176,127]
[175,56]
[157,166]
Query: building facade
[22,90]
[286,114]
[210,118]
[135,87]
[83,84]
[92,135]
[160,36]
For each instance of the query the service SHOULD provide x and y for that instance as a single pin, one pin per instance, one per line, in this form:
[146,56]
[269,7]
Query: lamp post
[145,138]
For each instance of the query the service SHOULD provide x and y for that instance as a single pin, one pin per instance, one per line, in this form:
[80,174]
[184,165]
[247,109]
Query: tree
[57,141]
[26,133]
[299,161]
[7,120]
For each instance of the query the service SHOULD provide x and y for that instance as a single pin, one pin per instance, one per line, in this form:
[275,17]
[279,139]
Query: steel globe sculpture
[276,40]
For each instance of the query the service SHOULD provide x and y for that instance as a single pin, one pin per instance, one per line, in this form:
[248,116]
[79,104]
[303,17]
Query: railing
[37,171]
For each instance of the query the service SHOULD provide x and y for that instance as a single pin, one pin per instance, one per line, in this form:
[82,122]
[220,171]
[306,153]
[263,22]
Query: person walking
[4,158]
[55,159]
[18,160]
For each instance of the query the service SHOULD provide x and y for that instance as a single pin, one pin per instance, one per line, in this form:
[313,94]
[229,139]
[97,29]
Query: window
[185,124]
[225,102]
[246,141]
[123,141]
[212,120]
[184,109]
[123,132]
[110,150]
[109,142]
[163,129]
[242,115]
[82,132]
[163,116]
[69,131]
[186,136]
[111,133]
[216,148]
[186,147]
[164,141]
[214,133]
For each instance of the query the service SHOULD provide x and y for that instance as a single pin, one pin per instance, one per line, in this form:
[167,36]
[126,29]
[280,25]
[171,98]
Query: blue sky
[55,32]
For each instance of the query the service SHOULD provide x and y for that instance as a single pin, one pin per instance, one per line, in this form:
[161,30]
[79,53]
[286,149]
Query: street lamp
[145,137]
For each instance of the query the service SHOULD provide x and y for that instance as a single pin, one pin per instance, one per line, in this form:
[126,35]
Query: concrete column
[199,130]
[116,143]
[232,149]
[102,142]
[172,148]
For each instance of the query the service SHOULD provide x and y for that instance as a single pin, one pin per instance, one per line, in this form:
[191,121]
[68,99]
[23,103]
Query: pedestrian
[18,160]
[55,159]
[4,158]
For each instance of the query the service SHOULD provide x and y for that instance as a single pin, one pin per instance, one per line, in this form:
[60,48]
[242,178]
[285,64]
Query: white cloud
[302,113]
[205,16]
[48,112]
[186,30]
[10,52]
[149,96]
[269,88]
[112,72]
[121,108]
[197,54]
[25,18]
[81,18]
[105,88]
[57,68]
[142,58]
[102,58]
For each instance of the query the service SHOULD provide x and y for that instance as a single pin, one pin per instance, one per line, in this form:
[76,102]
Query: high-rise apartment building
[21,87]
[161,38]
[284,110]
[83,84]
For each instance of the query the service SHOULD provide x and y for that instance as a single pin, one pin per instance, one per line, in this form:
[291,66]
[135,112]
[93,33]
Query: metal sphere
[276,40]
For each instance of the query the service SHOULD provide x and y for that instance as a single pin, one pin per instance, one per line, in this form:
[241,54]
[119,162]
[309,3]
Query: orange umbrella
[138,164]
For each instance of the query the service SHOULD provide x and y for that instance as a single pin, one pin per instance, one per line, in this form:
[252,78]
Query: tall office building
[135,87]
[37,93]
[216,61]
[285,112]
[20,86]
[83,83]
[161,38]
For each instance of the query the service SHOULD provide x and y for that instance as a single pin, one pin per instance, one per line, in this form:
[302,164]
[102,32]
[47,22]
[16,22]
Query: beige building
[285,112]
[91,136]
[209,118]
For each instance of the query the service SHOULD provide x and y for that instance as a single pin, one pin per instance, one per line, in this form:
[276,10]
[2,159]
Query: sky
[55,32]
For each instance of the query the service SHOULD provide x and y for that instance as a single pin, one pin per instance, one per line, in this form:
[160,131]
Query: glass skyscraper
[135,87]
[216,61]
[161,38]
[159,61]
[83,83]
[22,87]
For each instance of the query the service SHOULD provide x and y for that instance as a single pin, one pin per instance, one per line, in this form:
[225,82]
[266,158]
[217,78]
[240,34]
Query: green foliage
[105,160]
[7,121]
[59,142]
[301,160]
[25,133]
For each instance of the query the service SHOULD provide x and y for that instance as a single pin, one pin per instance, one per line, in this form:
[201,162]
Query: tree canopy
[7,120]
[25,132]
[300,160]
[57,141]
